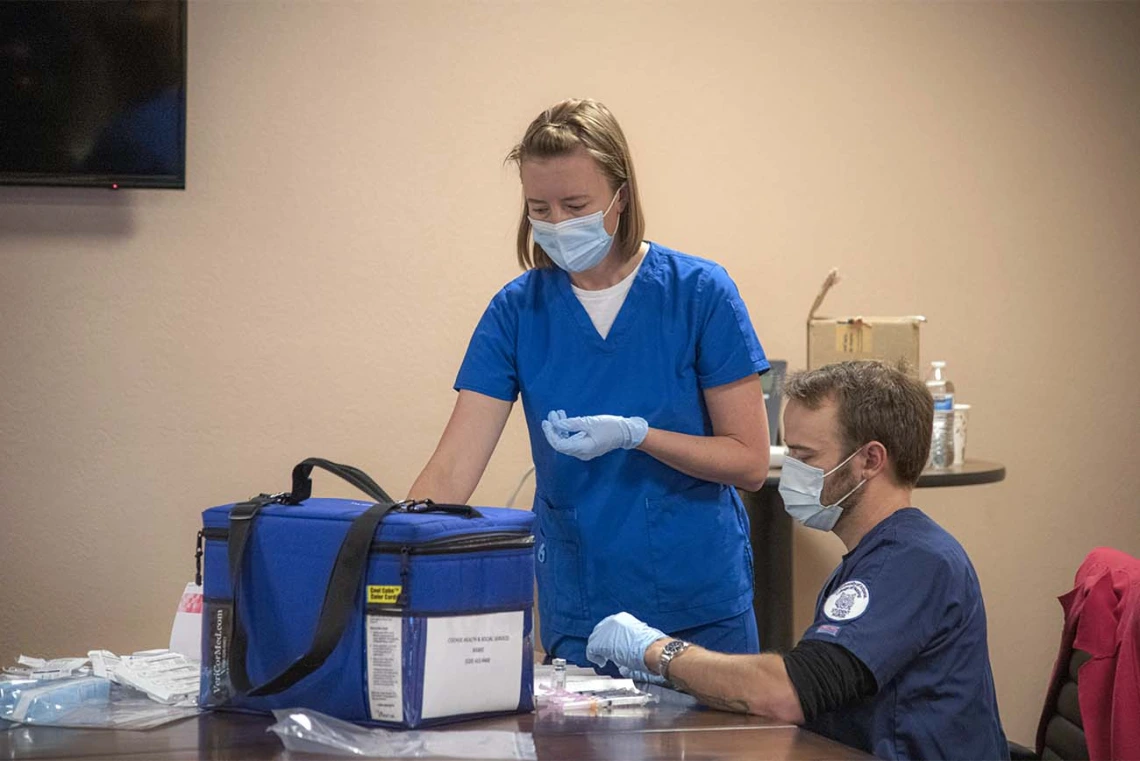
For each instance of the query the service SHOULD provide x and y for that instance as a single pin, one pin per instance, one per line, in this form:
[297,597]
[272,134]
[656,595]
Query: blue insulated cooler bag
[395,614]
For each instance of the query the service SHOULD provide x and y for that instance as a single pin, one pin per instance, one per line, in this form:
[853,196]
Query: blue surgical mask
[801,487]
[575,244]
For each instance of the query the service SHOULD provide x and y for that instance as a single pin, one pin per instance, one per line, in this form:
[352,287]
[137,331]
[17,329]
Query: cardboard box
[835,339]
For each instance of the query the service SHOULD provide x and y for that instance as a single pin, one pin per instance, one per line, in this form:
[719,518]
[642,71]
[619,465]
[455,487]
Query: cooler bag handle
[303,484]
[428,506]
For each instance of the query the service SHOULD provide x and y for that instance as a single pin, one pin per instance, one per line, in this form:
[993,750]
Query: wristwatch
[672,649]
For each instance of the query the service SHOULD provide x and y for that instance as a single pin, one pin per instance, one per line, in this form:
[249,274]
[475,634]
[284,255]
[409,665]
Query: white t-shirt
[604,305]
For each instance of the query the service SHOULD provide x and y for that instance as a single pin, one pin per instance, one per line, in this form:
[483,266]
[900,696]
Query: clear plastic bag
[305,731]
[84,702]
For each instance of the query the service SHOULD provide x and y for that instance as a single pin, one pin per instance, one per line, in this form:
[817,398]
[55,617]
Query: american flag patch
[828,629]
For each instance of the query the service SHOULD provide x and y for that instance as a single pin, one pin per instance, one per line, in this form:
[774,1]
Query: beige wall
[347,218]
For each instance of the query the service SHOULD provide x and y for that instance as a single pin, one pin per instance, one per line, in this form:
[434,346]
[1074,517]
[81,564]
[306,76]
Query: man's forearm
[731,704]
[756,684]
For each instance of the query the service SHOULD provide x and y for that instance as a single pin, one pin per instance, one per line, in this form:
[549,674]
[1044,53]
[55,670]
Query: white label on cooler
[385,668]
[473,664]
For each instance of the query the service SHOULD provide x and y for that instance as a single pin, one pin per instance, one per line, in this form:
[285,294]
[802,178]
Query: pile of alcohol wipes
[137,691]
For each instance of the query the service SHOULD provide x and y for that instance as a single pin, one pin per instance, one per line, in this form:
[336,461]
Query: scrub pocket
[698,548]
[560,568]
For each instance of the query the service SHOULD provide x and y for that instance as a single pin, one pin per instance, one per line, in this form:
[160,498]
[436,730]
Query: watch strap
[672,649]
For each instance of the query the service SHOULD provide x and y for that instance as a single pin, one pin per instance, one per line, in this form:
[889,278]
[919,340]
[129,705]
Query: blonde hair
[561,130]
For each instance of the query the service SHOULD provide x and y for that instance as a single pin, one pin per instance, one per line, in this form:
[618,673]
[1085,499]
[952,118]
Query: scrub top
[906,602]
[625,531]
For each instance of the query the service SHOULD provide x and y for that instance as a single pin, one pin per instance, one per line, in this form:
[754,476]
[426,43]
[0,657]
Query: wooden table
[772,544]
[674,728]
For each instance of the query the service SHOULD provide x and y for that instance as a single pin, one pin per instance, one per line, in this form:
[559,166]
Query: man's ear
[875,459]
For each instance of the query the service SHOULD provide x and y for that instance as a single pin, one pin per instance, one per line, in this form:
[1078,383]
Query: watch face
[674,646]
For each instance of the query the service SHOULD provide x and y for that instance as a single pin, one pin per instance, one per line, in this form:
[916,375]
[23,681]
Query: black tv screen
[93,92]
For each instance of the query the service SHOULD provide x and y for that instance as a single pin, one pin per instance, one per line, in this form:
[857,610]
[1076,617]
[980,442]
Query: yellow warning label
[383,595]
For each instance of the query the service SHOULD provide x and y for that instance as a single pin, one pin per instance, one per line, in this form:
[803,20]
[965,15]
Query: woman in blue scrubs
[639,373]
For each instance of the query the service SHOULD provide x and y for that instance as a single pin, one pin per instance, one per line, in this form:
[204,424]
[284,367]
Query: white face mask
[801,487]
[575,244]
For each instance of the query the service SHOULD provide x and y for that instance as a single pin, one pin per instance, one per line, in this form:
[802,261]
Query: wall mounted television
[93,93]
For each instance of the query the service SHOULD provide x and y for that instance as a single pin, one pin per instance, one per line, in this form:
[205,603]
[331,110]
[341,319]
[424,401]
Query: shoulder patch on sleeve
[848,602]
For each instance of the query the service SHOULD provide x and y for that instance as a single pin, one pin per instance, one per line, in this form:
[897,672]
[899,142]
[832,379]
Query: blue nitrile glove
[623,639]
[593,435]
[641,676]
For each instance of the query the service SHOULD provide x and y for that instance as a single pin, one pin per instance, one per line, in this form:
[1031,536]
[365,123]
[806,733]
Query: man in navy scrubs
[896,661]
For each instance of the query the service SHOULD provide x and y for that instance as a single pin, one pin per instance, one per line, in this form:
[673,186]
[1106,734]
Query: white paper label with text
[385,667]
[473,664]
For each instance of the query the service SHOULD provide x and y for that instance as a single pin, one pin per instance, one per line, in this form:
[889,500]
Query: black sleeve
[827,676]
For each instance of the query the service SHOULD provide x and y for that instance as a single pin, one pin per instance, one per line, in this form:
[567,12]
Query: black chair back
[1064,732]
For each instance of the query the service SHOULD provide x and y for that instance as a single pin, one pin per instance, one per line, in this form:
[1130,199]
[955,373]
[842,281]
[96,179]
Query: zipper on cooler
[493,540]
[405,566]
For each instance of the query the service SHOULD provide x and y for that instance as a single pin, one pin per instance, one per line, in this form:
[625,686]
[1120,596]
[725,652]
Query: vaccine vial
[558,678]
